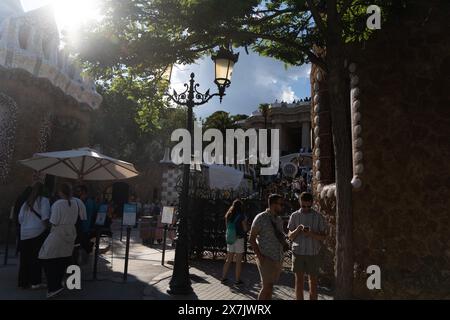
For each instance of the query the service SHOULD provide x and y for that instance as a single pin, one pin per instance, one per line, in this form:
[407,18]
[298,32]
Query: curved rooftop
[30,41]
[9,8]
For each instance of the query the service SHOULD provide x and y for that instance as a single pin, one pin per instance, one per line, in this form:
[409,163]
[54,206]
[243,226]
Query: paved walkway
[148,279]
[205,275]
[144,265]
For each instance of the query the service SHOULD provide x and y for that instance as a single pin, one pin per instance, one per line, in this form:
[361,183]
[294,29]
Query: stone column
[8,120]
[282,137]
[306,135]
[45,132]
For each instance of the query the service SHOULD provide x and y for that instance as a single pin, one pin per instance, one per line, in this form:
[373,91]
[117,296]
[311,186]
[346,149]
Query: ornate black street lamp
[224,60]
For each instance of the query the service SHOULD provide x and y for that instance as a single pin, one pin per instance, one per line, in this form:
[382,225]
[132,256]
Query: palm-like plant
[264,108]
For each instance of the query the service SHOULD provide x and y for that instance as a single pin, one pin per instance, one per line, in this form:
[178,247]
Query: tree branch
[292,43]
[317,18]
[345,7]
[253,21]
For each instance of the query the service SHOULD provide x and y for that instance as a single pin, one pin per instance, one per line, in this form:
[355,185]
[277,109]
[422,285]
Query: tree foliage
[145,36]
[118,133]
[264,108]
[137,39]
[220,120]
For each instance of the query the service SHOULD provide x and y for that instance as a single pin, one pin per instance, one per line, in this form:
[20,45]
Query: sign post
[99,222]
[127,252]
[129,220]
[166,219]
[164,244]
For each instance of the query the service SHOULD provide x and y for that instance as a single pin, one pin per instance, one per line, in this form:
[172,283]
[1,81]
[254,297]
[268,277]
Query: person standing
[265,239]
[307,228]
[156,211]
[235,220]
[56,252]
[139,209]
[85,226]
[21,199]
[33,219]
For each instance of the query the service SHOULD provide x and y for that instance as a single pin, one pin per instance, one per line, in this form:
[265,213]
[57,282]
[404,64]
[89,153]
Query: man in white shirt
[307,230]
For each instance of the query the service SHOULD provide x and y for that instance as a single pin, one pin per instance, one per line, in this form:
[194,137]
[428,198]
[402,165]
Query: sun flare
[71,14]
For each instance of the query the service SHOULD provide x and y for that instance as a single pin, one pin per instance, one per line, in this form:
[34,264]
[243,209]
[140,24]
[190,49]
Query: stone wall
[149,179]
[46,119]
[401,213]
[323,168]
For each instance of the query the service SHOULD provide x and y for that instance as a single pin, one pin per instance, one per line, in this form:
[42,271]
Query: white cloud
[255,80]
[288,95]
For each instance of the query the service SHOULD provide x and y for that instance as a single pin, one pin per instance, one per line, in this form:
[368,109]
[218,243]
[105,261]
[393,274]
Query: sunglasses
[306,207]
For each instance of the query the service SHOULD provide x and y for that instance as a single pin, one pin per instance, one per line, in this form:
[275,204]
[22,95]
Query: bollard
[164,244]
[127,252]
[97,248]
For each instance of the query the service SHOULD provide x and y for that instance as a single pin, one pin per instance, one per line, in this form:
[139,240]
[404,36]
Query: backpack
[230,234]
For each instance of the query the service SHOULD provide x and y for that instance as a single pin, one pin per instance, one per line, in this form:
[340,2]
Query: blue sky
[255,79]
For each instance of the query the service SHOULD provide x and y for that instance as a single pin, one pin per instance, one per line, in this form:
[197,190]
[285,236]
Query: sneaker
[239,283]
[224,281]
[39,286]
[54,293]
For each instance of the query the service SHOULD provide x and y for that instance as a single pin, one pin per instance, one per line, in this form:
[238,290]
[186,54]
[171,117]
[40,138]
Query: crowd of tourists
[53,233]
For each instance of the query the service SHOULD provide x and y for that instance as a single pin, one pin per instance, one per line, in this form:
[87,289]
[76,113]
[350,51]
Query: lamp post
[224,60]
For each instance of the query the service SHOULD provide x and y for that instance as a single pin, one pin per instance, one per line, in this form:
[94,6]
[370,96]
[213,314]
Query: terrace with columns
[292,119]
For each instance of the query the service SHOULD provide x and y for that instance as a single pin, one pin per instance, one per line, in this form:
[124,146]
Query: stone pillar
[8,120]
[283,142]
[306,135]
[45,132]
[170,184]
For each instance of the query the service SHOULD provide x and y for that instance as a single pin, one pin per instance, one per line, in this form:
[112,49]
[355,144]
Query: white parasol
[81,164]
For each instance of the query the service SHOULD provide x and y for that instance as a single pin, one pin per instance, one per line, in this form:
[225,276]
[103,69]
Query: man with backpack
[268,242]
[236,230]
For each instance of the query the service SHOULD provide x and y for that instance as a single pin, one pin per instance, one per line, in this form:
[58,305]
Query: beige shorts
[306,264]
[269,270]
[236,247]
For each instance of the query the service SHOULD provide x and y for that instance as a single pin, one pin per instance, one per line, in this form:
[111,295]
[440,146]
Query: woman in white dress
[56,252]
[33,218]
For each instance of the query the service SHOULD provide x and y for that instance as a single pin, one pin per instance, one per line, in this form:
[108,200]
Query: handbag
[281,237]
[47,225]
